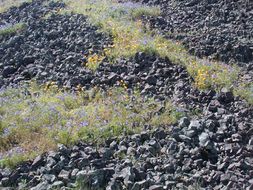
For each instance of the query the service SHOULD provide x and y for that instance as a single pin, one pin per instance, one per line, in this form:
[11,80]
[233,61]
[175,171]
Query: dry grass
[36,119]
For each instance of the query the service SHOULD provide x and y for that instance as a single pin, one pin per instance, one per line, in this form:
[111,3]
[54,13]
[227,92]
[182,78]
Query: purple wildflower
[84,124]
[15,151]
[6,132]
[131,5]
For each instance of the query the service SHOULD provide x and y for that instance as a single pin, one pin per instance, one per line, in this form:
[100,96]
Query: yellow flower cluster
[50,86]
[107,50]
[79,89]
[123,84]
[202,78]
[93,61]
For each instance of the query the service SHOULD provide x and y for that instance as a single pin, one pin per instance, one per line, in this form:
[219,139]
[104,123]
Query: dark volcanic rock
[218,29]
[213,149]
[51,49]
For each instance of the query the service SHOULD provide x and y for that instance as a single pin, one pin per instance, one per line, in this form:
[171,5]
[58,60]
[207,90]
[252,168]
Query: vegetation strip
[60,121]
[130,35]
[35,120]
[121,20]
[11,29]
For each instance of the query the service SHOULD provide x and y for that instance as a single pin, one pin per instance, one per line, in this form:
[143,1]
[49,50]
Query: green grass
[130,35]
[245,91]
[6,4]
[36,119]
[12,29]
[15,159]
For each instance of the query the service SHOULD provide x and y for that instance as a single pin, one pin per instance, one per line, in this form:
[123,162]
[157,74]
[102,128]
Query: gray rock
[155,187]
[184,122]
[169,168]
[123,149]
[38,161]
[57,185]
[74,173]
[64,175]
[225,96]
[131,151]
[144,136]
[113,77]
[50,178]
[64,150]
[113,145]
[153,143]
[223,166]
[153,147]
[140,185]
[204,139]
[128,175]
[224,178]
[151,80]
[5,182]
[190,133]
[54,155]
[14,40]
[50,162]
[82,162]
[212,125]
[184,138]
[106,153]
[114,185]
[236,138]
[195,125]
[159,134]
[170,184]
[7,71]
[95,178]
[81,175]
[251,141]
[41,186]
[250,187]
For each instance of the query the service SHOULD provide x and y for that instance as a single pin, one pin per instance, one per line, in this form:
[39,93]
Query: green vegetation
[130,35]
[6,4]
[245,91]
[16,158]
[93,61]
[35,120]
[12,29]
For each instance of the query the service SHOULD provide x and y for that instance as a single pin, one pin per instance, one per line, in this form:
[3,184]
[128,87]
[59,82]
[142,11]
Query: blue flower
[84,124]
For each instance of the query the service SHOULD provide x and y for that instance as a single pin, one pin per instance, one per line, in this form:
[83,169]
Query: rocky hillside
[219,29]
[126,95]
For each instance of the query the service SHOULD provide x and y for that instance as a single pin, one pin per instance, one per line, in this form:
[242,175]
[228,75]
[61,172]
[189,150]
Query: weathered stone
[64,175]
[38,161]
[156,187]
[41,186]
[57,185]
[184,122]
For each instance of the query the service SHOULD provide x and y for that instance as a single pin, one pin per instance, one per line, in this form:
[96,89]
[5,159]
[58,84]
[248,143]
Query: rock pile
[210,153]
[213,150]
[49,50]
[218,29]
